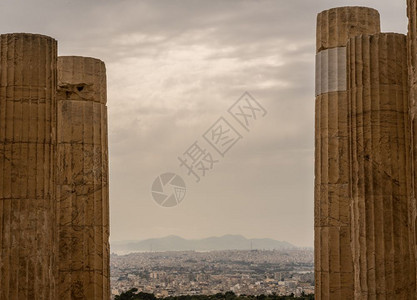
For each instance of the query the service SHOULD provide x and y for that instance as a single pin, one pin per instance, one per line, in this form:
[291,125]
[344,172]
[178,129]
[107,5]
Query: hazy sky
[173,68]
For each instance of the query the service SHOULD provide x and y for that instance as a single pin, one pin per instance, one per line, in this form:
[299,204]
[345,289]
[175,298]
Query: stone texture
[333,258]
[27,148]
[379,140]
[412,73]
[335,26]
[82,179]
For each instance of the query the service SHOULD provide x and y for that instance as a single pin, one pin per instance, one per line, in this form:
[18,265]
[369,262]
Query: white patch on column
[331,70]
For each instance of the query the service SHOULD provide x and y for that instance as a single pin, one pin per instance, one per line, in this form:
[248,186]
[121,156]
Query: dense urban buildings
[249,272]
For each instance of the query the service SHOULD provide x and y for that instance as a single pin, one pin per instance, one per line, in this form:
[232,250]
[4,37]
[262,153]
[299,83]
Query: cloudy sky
[173,68]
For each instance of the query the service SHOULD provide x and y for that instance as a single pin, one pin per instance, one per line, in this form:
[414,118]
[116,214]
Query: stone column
[333,258]
[380,166]
[27,164]
[82,179]
[412,73]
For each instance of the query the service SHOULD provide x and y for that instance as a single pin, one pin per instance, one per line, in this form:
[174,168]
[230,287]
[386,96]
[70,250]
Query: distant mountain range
[176,243]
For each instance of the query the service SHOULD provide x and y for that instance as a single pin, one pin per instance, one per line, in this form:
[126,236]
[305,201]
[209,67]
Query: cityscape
[244,272]
[208,150]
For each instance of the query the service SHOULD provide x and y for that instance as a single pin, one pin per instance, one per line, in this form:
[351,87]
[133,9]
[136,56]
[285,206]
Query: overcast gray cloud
[174,67]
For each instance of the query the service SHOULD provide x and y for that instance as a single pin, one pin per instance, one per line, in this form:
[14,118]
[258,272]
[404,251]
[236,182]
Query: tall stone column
[380,166]
[27,164]
[412,73]
[333,258]
[82,179]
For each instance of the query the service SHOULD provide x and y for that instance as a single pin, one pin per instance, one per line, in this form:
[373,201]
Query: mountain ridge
[213,243]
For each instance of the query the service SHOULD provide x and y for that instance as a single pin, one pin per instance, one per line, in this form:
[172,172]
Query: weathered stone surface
[412,73]
[27,160]
[82,179]
[380,139]
[335,26]
[333,255]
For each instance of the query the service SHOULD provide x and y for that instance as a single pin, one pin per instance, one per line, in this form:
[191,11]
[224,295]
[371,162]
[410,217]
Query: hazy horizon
[222,243]
[200,238]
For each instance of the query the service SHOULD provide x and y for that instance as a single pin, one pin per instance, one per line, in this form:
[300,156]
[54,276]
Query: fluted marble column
[333,258]
[27,149]
[82,179]
[380,166]
[412,73]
